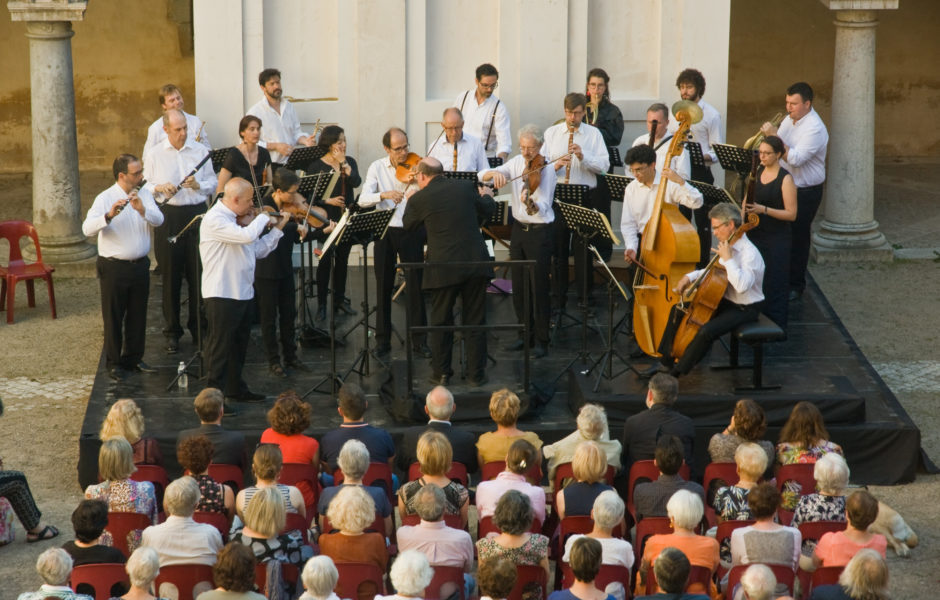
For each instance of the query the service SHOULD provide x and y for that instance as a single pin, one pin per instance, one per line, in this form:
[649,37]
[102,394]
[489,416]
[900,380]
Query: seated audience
[520,458]
[672,570]
[864,578]
[607,513]
[748,424]
[496,578]
[234,575]
[89,519]
[142,569]
[354,462]
[125,420]
[766,541]
[641,430]
[836,549]
[590,467]
[289,418]
[319,577]
[194,455]
[440,407]
[504,410]
[410,574]
[123,494]
[650,498]
[513,517]
[54,567]
[180,540]
[352,407]
[266,465]
[585,561]
[832,476]
[434,456]
[730,502]
[758,582]
[265,518]
[803,439]
[350,513]
[228,445]
[592,427]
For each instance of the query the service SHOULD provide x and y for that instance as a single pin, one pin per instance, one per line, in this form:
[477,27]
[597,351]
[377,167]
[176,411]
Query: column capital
[46,10]
[860,4]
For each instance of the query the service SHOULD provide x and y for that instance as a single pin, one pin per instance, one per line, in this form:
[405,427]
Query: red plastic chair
[825,576]
[185,578]
[359,581]
[724,532]
[491,469]
[645,528]
[295,521]
[289,573]
[442,582]
[156,475]
[121,524]
[216,519]
[608,574]
[486,526]
[100,577]
[18,270]
[458,473]
[565,471]
[697,574]
[783,573]
[814,530]
[647,469]
[378,474]
[230,475]
[306,474]
[526,574]
[801,473]
[727,472]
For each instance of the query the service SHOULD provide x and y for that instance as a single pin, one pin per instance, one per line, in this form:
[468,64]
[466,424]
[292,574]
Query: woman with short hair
[54,567]
[319,578]
[353,461]
[289,418]
[585,562]
[124,419]
[504,410]
[731,501]
[592,427]
[865,577]
[234,574]
[589,466]
[434,456]
[832,476]
[142,569]
[836,549]
[89,519]
[266,464]
[513,517]
[411,573]
[766,541]
[351,512]
[496,577]
[195,455]
[748,424]
[265,517]
[607,513]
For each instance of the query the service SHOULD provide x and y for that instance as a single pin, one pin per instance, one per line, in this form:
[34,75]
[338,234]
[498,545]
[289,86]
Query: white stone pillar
[849,231]
[56,193]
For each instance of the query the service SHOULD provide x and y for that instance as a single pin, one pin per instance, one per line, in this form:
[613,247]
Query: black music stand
[696,158]
[199,308]
[616,185]
[262,190]
[218,157]
[614,153]
[464,175]
[301,157]
[712,194]
[313,187]
[494,161]
[734,158]
[573,194]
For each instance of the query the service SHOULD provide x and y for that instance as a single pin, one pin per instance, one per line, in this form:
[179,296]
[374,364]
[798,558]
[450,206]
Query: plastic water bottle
[183,380]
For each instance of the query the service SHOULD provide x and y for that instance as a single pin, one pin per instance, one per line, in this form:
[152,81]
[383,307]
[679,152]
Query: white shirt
[182,541]
[638,202]
[470,154]
[806,141]
[614,551]
[381,178]
[156,134]
[680,164]
[706,132]
[745,273]
[127,236]
[583,171]
[542,196]
[229,252]
[277,127]
[478,117]
[165,164]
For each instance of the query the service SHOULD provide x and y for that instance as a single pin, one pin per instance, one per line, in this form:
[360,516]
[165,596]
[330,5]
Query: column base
[837,242]
[66,251]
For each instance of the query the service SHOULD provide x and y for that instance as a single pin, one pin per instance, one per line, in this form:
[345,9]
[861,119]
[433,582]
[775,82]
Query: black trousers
[567,243]
[532,242]
[699,217]
[125,288]
[341,256]
[177,262]
[727,316]
[775,250]
[277,307]
[227,344]
[472,295]
[807,203]
[407,246]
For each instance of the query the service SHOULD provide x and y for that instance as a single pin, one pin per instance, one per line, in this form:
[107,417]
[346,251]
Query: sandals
[47,533]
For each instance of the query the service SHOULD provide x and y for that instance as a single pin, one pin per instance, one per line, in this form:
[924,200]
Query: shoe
[117,374]
[143,367]
[795,295]
[172,346]
[382,350]
[247,397]
[345,309]
[229,411]
[653,370]
[439,380]
[516,346]
[422,350]
[321,313]
[296,365]
[277,370]
[540,351]
[480,382]
[47,533]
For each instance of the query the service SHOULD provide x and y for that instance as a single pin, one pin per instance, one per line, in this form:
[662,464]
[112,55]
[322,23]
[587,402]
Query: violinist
[742,298]
[385,191]
[531,237]
[457,151]
[487,117]
[333,142]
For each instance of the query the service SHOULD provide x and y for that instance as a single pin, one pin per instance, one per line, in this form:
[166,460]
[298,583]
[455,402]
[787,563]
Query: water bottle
[183,377]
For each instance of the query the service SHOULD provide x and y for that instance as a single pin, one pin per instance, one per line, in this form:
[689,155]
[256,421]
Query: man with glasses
[458,151]
[486,116]
[384,191]
[659,113]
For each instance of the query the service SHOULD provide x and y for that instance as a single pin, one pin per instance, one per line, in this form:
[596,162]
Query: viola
[405,171]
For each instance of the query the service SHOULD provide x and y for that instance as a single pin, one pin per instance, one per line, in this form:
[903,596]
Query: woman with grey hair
[832,476]
[319,578]
[142,568]
[758,582]
[54,567]
[607,513]
[353,461]
[592,427]
[410,574]
[864,578]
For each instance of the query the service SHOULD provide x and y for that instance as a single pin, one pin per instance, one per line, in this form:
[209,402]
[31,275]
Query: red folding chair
[697,574]
[724,533]
[295,521]
[607,575]
[565,471]
[814,530]
[156,475]
[216,519]
[486,526]
[457,472]
[360,581]
[18,270]
[445,582]
[526,574]
[121,525]
[727,472]
[289,573]
[802,474]
[230,475]
[185,578]
[646,469]
[824,576]
[305,477]
[783,573]
[645,528]
[491,469]
[98,580]
[378,474]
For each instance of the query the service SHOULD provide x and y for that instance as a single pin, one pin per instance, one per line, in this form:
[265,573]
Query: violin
[533,181]
[314,217]
[405,171]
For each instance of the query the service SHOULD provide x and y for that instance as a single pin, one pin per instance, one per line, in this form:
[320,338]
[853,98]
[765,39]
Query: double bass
[669,250]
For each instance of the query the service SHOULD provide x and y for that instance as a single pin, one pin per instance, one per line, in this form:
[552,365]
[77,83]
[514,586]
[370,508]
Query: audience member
[89,519]
[352,408]
[15,489]
[353,462]
[496,578]
[289,418]
[194,455]
[351,512]
[234,575]
[672,570]
[54,567]
[607,513]
[125,420]
[730,501]
[319,577]
[832,476]
[434,456]
[585,560]
[650,498]
[520,458]
[265,517]
[757,583]
[864,578]
[440,407]
[123,494]
[180,540]
[410,574]
[592,427]
[748,424]
[504,410]
[228,445]
[803,439]
[513,517]
[142,569]
[266,465]
[836,549]
[642,430]
[589,466]
[766,541]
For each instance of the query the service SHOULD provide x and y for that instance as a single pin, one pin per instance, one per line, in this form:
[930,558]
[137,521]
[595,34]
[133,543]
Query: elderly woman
[194,455]
[803,439]
[835,549]
[504,410]
[319,578]
[125,420]
[589,466]
[607,513]
[54,567]
[411,573]
[766,541]
[731,501]
[265,517]
[832,476]
[234,574]
[496,577]
[758,582]
[266,465]
[351,512]
[865,577]
[89,519]
[142,568]
[521,456]
[434,456]
[513,517]
[353,461]
[123,494]
[748,424]
[592,427]
[685,511]
[585,561]
[247,160]
[289,417]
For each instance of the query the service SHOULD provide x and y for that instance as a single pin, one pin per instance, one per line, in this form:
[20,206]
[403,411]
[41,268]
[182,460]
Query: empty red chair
[645,528]
[528,574]
[783,573]
[121,525]
[19,270]
[607,574]
[100,578]
[185,578]
[359,580]
[458,473]
[378,474]
[230,475]
[801,473]
[216,519]
[446,581]
[491,469]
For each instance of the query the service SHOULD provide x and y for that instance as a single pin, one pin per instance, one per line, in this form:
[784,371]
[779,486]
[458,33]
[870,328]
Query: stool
[754,334]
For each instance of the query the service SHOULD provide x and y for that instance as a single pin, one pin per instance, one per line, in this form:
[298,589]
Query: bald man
[455,150]
[440,407]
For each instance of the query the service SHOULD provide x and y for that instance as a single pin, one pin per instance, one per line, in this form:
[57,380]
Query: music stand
[313,187]
[494,161]
[613,153]
[712,194]
[300,157]
[218,157]
[616,185]
[464,175]
[573,194]
[696,158]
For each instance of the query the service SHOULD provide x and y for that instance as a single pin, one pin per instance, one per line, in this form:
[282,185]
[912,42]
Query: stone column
[849,231]
[56,193]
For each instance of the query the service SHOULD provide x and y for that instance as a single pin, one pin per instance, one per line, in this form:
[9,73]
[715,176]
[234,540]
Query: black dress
[772,238]
[237,165]
[610,123]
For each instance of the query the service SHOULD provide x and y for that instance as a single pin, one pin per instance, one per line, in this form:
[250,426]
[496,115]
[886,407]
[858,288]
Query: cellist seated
[741,302]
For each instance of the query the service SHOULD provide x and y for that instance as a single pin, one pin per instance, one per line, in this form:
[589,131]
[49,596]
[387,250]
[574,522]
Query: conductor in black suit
[450,211]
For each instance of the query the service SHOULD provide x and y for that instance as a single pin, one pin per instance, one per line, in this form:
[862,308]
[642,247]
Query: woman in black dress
[606,116]
[333,142]
[775,203]
[247,160]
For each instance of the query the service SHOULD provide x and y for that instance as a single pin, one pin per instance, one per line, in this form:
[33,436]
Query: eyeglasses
[639,169]
[401,148]
[488,86]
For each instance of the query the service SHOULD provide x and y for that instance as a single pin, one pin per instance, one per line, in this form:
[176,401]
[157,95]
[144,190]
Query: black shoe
[247,397]
[277,370]
[321,313]
[172,346]
[345,309]
[540,351]
[296,365]
[422,350]
[516,346]
[382,350]
[117,373]
[479,382]
[229,411]
[439,380]
[795,295]
[143,367]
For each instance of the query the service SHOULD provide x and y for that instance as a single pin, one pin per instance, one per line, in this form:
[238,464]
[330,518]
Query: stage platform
[818,362]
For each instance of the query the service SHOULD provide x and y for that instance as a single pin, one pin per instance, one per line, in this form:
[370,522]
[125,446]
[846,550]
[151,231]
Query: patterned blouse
[817,507]
[213,495]
[731,504]
[530,553]
[455,496]
[287,548]
[789,453]
[125,495]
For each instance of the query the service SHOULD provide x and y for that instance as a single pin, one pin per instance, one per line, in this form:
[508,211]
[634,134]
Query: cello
[670,249]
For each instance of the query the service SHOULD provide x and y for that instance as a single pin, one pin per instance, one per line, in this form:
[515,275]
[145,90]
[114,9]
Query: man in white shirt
[122,216]
[805,140]
[383,191]
[280,128]
[531,237]
[180,540]
[229,252]
[584,158]
[487,118]
[166,165]
[657,117]
[172,97]
[458,151]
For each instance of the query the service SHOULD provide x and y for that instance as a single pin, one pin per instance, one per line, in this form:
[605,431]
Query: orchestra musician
[458,151]
[172,97]
[658,113]
[486,116]
[281,131]
[384,191]
[247,160]
[165,166]
[606,116]
[531,238]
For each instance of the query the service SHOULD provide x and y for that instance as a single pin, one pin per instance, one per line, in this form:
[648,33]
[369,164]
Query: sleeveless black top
[771,196]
